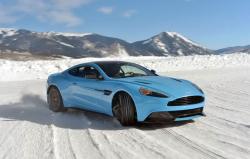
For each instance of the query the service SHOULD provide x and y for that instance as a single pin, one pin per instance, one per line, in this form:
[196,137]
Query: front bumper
[150,107]
[175,115]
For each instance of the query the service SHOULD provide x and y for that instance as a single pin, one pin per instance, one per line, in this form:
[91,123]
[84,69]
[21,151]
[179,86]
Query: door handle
[74,83]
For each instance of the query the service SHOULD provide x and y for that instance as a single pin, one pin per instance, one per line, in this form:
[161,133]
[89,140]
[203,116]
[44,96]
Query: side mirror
[153,71]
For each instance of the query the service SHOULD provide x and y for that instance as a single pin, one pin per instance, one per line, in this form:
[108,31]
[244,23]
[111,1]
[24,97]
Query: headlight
[148,92]
[197,88]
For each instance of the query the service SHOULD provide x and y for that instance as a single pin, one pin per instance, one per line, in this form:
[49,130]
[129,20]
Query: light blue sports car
[125,90]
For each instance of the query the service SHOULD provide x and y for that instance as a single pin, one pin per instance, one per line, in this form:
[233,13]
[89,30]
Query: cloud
[30,6]
[49,11]
[129,13]
[7,19]
[5,16]
[106,10]
[65,18]
[70,4]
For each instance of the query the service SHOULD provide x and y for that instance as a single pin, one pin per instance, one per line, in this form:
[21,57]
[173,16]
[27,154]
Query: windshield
[124,69]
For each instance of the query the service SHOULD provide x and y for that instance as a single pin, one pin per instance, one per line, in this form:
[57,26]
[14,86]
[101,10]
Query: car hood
[170,86]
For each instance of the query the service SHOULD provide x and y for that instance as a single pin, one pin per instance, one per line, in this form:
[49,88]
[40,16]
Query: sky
[214,24]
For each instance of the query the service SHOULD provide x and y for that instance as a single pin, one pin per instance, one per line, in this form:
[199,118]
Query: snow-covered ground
[27,70]
[28,129]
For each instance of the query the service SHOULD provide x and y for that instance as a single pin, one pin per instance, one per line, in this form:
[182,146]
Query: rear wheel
[55,100]
[124,109]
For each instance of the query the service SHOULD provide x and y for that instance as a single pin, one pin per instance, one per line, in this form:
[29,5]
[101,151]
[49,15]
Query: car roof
[97,63]
[108,62]
[100,63]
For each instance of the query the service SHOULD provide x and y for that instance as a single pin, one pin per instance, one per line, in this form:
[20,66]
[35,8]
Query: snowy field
[28,70]
[28,129]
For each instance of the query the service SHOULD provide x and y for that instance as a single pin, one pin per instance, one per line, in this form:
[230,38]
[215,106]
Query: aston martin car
[128,91]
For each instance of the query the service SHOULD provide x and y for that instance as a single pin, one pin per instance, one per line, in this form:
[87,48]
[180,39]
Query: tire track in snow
[9,133]
[179,143]
[100,140]
[65,139]
[110,145]
[230,121]
[106,140]
[119,148]
[239,148]
[91,137]
[226,138]
[232,96]
[193,145]
[62,144]
[95,143]
[217,106]
[235,109]
[55,148]
[216,143]
[221,131]
[70,145]
[148,143]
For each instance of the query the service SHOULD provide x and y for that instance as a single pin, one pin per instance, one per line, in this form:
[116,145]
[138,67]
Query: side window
[91,73]
[87,72]
[131,70]
[73,71]
[78,72]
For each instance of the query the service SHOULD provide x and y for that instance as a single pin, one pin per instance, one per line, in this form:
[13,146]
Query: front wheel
[124,110]
[55,100]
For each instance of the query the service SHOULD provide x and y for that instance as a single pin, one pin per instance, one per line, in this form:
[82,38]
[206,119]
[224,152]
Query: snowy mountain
[76,45]
[171,43]
[230,50]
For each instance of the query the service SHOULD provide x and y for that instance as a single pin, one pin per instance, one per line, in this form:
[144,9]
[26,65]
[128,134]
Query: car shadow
[33,108]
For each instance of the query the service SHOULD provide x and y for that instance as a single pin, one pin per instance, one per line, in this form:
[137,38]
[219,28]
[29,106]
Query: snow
[67,34]
[12,31]
[28,129]
[147,41]
[88,45]
[179,51]
[29,70]
[175,34]
[65,44]
[160,45]
[121,51]
[7,32]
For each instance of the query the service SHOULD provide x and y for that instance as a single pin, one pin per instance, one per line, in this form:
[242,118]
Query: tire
[55,100]
[124,110]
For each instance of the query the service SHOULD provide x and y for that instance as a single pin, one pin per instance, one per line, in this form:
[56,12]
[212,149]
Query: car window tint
[73,72]
[91,73]
[78,71]
[124,69]
[127,70]
[87,72]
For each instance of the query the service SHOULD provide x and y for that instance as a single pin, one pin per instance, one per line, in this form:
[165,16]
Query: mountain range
[20,42]
[230,50]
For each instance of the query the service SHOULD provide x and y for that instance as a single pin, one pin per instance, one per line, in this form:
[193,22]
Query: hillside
[24,44]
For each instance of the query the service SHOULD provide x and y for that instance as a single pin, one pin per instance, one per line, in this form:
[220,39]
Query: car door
[91,90]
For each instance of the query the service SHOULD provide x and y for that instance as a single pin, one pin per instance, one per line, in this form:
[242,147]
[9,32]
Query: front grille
[186,101]
[186,113]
